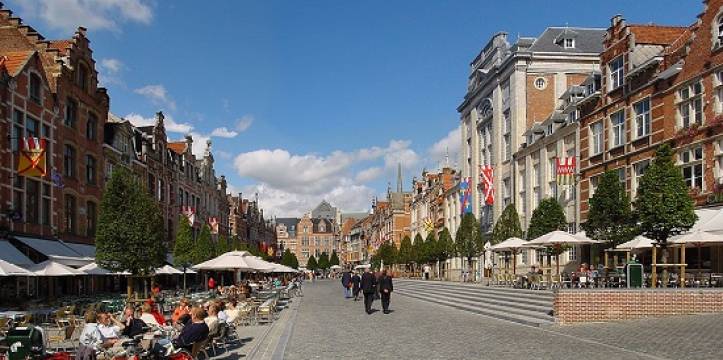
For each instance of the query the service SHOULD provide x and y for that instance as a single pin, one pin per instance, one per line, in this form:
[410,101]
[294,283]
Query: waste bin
[634,275]
[24,342]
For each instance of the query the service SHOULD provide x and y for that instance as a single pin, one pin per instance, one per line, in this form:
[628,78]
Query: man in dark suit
[346,283]
[355,281]
[385,289]
[368,287]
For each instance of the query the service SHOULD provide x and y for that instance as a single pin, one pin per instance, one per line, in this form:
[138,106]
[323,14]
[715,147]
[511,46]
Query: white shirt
[109,331]
[91,336]
[212,323]
[149,319]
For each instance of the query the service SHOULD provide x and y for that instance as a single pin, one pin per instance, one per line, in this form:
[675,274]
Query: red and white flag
[565,171]
[487,180]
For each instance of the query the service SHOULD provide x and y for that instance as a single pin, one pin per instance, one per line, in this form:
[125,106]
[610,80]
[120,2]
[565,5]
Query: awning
[9,253]
[82,249]
[56,251]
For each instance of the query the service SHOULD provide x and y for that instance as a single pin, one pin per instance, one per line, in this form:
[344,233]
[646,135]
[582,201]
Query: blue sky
[305,100]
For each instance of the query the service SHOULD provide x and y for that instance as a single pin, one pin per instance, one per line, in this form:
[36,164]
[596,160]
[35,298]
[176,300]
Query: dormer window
[568,43]
[617,73]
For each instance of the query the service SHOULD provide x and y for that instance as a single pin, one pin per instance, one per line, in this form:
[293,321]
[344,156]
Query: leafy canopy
[548,217]
[610,218]
[183,247]
[468,241]
[663,204]
[130,227]
[507,226]
[311,264]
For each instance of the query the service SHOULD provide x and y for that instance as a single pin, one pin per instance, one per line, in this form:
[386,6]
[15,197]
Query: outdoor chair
[265,312]
[199,347]
[4,325]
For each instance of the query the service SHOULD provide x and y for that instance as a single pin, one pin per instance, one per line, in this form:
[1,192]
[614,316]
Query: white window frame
[616,68]
[540,83]
[617,129]
[596,138]
[506,191]
[718,89]
[690,104]
[642,118]
[593,183]
[568,43]
[718,32]
[693,158]
[507,136]
[638,172]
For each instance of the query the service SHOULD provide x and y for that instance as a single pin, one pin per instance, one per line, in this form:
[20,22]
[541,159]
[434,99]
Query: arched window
[485,109]
[719,31]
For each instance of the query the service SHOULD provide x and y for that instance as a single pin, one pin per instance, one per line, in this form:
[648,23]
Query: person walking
[355,280]
[346,283]
[369,288]
[385,289]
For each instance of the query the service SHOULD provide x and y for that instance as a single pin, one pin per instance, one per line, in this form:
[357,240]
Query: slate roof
[586,40]
[288,222]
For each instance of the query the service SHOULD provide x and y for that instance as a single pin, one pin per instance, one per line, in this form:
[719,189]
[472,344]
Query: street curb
[280,349]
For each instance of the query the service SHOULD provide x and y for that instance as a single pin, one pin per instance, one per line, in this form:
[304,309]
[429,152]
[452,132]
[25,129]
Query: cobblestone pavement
[328,326]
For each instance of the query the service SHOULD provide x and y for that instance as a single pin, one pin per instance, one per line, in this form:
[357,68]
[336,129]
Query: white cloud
[157,94]
[67,15]
[244,123]
[171,125]
[450,144]
[223,132]
[369,174]
[112,66]
[109,70]
[224,155]
[291,184]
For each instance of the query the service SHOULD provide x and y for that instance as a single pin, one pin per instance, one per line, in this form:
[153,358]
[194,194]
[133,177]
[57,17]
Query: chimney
[616,20]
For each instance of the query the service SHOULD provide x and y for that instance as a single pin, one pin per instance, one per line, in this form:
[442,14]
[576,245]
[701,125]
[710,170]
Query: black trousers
[385,300]
[368,300]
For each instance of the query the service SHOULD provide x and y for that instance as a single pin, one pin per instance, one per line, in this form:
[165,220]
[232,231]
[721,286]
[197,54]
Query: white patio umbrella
[640,242]
[9,269]
[335,267]
[94,269]
[557,239]
[233,260]
[697,238]
[259,264]
[512,245]
[52,268]
[168,270]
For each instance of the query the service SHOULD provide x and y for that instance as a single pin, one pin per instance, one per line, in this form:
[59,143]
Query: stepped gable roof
[657,34]
[15,61]
[178,147]
[587,40]
[63,46]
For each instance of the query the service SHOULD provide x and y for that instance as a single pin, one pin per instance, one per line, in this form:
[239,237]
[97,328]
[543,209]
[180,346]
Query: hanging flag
[270,251]
[487,179]
[565,171]
[31,157]
[213,224]
[465,195]
[190,213]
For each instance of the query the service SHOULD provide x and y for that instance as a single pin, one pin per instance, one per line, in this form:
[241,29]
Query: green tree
[287,258]
[334,259]
[130,228]
[429,249]
[610,217]
[311,263]
[183,246]
[223,246]
[418,249]
[204,248]
[294,261]
[404,256]
[663,205]
[468,241]
[443,249]
[235,243]
[548,217]
[507,226]
[386,253]
[324,261]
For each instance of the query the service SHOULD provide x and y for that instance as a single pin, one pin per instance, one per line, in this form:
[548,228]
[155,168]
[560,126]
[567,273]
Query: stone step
[518,319]
[544,307]
[532,299]
[542,315]
[543,295]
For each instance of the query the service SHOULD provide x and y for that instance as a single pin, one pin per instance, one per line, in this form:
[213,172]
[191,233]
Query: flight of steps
[527,307]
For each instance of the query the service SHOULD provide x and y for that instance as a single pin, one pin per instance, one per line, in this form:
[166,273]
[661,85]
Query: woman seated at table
[160,319]
[231,311]
[132,326]
[147,315]
[212,318]
[194,332]
[181,309]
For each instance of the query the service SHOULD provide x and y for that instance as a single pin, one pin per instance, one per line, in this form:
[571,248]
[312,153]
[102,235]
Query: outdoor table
[15,315]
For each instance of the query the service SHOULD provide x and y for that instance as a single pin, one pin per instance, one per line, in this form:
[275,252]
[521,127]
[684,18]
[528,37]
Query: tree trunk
[129,287]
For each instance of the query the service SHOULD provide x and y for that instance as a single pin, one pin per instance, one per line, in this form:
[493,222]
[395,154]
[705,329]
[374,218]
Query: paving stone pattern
[328,326]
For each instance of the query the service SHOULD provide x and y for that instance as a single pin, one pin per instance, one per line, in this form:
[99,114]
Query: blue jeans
[347,292]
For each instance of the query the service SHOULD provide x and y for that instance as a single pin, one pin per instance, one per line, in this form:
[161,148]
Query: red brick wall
[580,306]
